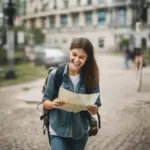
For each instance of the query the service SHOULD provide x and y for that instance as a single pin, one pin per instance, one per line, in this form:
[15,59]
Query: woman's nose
[76,59]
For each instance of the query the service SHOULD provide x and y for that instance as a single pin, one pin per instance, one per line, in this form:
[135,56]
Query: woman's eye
[82,57]
[74,54]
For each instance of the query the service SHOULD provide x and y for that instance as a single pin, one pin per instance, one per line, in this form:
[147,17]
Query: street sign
[20,37]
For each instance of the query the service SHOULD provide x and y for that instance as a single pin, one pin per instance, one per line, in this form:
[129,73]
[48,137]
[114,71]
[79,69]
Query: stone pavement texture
[125,113]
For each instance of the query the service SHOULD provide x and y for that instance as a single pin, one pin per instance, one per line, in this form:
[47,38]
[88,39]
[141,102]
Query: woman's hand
[92,109]
[53,104]
[58,102]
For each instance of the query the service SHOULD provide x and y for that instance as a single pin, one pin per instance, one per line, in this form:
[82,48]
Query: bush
[124,42]
[19,57]
[3,56]
[147,57]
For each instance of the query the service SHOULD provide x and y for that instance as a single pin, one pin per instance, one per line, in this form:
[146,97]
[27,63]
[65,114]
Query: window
[78,2]
[75,19]
[43,22]
[88,18]
[64,21]
[55,4]
[52,21]
[89,2]
[122,17]
[66,3]
[35,10]
[101,17]
[101,1]
[101,43]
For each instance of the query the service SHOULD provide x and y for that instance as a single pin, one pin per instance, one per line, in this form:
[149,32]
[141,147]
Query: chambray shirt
[61,120]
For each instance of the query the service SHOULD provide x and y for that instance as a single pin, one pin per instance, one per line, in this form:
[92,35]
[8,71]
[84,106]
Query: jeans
[60,143]
[126,62]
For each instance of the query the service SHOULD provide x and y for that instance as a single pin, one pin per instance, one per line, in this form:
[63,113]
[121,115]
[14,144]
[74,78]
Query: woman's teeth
[76,64]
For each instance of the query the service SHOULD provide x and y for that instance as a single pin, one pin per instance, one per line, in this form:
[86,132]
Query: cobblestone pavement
[20,127]
[125,114]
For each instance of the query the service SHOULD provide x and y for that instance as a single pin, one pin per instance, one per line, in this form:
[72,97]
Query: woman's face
[78,58]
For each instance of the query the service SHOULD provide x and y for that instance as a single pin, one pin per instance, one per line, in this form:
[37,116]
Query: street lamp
[10,11]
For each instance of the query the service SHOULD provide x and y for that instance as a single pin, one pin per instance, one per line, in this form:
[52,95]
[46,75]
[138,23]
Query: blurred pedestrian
[127,57]
[68,130]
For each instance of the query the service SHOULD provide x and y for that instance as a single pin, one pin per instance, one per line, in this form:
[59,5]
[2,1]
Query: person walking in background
[127,56]
[80,73]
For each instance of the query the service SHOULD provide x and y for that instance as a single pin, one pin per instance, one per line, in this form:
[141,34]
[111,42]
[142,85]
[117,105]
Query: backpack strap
[89,91]
[59,76]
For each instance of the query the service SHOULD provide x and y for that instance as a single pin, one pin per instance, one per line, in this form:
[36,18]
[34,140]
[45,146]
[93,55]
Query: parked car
[50,57]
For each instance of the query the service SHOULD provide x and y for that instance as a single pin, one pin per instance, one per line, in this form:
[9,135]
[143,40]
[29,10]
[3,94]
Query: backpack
[94,126]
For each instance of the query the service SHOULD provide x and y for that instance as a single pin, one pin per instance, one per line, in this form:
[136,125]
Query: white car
[51,57]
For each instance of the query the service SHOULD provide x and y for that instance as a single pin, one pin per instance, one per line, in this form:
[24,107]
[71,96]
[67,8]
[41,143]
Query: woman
[80,72]
[137,58]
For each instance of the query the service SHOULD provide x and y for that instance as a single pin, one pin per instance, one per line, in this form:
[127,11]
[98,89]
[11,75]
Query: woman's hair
[90,69]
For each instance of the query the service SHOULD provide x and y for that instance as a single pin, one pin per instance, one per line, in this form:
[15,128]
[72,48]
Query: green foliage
[3,56]
[25,72]
[147,57]
[37,35]
[124,42]
[18,28]
[19,56]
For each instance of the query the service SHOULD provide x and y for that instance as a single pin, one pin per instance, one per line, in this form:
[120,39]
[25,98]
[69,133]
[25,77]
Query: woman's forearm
[48,104]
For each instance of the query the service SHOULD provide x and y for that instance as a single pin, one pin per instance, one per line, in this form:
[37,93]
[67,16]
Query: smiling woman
[77,59]
[82,56]
[80,75]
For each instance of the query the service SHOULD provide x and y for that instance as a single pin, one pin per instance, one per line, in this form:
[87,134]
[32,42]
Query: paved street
[125,113]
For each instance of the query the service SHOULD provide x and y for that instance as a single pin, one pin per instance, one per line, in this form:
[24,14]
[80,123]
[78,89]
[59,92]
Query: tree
[38,36]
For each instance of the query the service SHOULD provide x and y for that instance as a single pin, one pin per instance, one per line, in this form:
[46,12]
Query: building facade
[104,22]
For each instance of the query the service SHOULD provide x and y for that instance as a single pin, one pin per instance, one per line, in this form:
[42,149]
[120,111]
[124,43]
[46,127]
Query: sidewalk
[33,94]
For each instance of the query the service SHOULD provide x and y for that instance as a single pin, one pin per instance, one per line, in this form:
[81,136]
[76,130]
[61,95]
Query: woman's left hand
[92,109]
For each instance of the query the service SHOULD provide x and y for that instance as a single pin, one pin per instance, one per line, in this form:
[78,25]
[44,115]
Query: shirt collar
[66,70]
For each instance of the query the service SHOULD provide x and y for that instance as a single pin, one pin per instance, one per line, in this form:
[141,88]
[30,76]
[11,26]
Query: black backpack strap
[59,76]
[89,91]
[99,120]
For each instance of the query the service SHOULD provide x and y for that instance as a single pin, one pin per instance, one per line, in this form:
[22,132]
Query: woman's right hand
[53,104]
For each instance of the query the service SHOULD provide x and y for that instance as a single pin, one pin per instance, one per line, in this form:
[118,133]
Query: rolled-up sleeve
[97,90]
[50,92]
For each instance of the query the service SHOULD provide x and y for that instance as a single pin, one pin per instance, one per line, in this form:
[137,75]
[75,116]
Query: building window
[55,4]
[88,18]
[101,43]
[64,20]
[78,2]
[52,21]
[89,2]
[43,22]
[122,17]
[101,17]
[101,1]
[66,3]
[64,40]
[35,10]
[75,19]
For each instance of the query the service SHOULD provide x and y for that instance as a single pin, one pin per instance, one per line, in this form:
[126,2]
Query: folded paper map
[75,102]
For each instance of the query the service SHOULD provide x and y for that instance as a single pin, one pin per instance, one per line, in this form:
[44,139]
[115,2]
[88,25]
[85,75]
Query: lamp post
[9,12]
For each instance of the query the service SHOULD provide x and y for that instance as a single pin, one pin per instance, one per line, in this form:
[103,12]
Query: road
[125,113]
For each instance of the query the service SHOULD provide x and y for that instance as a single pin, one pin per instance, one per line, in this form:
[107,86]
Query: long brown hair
[90,69]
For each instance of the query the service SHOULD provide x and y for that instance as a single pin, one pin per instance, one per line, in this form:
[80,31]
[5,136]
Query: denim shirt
[61,120]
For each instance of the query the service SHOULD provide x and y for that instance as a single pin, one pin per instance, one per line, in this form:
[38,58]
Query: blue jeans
[60,143]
